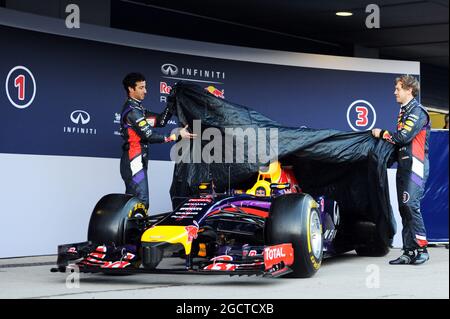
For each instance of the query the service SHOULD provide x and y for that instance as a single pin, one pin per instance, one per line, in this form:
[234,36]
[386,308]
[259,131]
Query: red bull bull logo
[192,232]
[216,92]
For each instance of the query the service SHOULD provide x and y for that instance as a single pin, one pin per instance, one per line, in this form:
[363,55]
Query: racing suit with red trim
[411,137]
[136,125]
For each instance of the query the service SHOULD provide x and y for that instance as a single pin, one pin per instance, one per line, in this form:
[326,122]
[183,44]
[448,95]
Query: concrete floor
[347,277]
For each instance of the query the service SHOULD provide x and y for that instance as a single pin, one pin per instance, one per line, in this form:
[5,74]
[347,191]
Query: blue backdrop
[77,93]
[435,203]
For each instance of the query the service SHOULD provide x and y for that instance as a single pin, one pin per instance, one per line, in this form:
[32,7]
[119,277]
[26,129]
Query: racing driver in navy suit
[137,129]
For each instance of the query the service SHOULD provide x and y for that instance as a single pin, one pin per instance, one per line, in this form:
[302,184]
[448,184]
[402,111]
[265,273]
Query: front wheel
[110,221]
[295,219]
[114,222]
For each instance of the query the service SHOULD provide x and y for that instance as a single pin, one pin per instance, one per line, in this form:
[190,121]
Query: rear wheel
[368,243]
[295,218]
[372,251]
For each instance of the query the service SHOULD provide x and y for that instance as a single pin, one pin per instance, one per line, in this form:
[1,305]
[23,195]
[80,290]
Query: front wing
[274,262]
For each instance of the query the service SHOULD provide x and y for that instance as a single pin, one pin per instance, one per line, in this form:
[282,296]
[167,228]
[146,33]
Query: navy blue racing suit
[411,137]
[136,125]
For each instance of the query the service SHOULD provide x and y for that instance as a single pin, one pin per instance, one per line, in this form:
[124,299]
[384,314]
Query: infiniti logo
[169,69]
[184,73]
[80,116]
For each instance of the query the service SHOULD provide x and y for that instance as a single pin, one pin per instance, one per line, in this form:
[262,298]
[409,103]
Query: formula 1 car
[272,229]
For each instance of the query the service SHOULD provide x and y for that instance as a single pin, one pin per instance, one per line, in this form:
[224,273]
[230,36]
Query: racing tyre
[110,221]
[372,251]
[295,218]
[369,243]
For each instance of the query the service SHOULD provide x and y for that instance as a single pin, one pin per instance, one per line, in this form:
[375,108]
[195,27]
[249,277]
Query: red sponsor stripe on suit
[135,146]
[418,145]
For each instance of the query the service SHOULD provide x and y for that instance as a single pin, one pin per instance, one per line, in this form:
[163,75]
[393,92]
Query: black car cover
[350,167]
